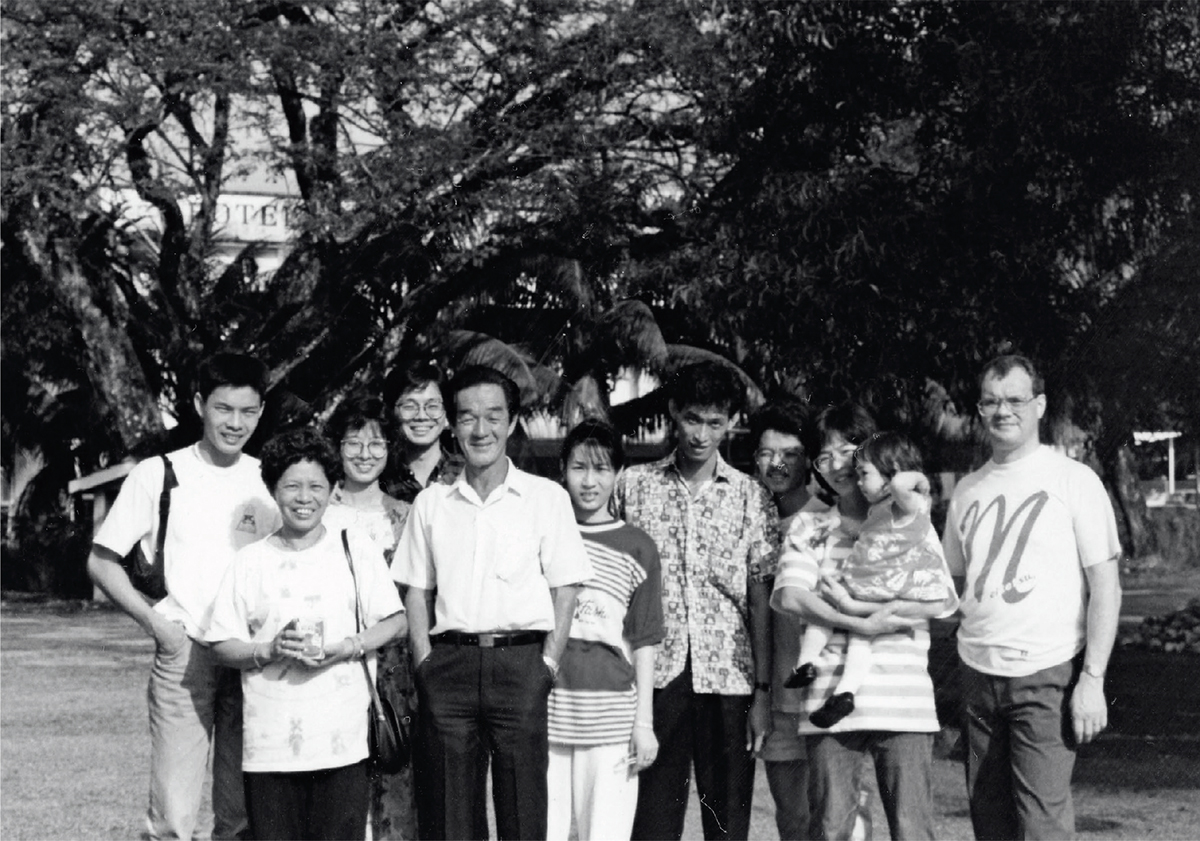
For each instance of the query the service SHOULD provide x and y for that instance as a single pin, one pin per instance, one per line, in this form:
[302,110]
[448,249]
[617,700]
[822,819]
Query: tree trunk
[110,363]
[1133,521]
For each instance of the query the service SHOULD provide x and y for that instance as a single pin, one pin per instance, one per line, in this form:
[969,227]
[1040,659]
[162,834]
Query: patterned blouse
[711,546]
[400,482]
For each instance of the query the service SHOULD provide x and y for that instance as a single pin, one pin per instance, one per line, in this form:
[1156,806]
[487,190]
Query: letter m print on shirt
[1026,515]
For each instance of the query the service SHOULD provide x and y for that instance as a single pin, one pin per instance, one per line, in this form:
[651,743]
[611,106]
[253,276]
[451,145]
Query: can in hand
[314,637]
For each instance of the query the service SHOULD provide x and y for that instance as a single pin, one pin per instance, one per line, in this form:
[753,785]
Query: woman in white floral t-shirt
[286,615]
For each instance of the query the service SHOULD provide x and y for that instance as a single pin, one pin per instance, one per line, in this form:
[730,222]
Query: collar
[516,481]
[722,471]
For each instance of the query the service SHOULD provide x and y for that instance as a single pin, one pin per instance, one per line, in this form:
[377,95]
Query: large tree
[443,156]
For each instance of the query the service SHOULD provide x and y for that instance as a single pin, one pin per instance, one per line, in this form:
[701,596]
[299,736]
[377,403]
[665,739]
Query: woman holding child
[892,715]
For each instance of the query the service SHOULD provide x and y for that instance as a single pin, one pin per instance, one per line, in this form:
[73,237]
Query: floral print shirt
[711,546]
[403,485]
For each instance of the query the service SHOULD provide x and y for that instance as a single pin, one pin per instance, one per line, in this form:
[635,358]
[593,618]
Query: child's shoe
[836,708]
[801,676]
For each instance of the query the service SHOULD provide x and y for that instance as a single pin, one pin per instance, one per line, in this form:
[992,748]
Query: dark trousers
[327,804]
[1021,752]
[480,703]
[903,769]
[707,732]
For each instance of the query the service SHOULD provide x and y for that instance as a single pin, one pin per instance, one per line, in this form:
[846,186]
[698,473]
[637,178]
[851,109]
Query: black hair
[788,416]
[708,383]
[890,452]
[237,370]
[356,411]
[289,448]
[411,377]
[1002,365]
[598,434]
[474,375]
[849,420]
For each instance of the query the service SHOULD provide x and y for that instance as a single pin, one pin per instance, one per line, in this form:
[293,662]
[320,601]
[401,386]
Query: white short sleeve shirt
[215,511]
[1024,532]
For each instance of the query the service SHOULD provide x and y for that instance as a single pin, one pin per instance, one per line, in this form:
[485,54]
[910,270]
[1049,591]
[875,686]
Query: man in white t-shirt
[1034,534]
[219,506]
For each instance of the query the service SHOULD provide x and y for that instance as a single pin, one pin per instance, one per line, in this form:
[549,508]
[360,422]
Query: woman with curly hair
[287,615]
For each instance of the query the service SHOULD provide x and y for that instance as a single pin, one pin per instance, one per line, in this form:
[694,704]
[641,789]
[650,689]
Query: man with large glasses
[1034,534]
[415,392]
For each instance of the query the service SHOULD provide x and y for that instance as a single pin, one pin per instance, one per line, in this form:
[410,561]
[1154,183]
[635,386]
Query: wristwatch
[1091,671]
[763,685]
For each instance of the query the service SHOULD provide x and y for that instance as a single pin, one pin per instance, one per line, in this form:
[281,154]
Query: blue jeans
[1020,754]
[903,769]
[194,703]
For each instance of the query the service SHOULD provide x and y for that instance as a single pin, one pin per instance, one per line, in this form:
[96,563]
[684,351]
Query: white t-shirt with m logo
[1024,532]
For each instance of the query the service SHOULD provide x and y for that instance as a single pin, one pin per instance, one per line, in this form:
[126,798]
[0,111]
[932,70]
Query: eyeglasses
[843,454]
[788,457]
[410,409]
[354,449]
[991,405]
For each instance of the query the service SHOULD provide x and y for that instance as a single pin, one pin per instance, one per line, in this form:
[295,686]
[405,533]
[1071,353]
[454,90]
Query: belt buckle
[487,640]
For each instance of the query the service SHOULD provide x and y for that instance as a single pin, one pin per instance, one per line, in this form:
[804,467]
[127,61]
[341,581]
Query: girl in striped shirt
[601,722]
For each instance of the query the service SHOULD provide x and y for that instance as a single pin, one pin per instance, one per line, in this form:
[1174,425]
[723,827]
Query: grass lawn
[74,744]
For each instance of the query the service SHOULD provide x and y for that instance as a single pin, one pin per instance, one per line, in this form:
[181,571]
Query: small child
[891,560]
[601,712]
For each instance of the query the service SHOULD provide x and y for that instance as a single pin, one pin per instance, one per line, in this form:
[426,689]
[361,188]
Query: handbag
[147,575]
[389,743]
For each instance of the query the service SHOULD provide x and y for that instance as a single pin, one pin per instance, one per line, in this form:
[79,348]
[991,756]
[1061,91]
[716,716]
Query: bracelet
[359,649]
[254,657]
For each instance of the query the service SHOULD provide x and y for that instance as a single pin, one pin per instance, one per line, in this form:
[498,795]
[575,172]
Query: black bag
[389,742]
[145,574]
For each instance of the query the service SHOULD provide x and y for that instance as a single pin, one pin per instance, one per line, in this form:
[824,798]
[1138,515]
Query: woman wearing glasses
[894,717]
[418,406]
[363,431]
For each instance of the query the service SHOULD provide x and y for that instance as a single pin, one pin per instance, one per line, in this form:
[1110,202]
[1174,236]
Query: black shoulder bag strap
[170,482]
[358,625]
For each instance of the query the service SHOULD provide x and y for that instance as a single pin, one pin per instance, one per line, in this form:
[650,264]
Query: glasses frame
[411,409]
[824,460]
[991,405]
[767,456]
[375,448]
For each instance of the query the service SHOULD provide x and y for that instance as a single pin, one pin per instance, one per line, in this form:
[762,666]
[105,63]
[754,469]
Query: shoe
[834,710]
[801,676]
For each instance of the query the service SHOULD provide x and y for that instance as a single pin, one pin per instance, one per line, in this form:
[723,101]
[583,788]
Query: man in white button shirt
[493,562]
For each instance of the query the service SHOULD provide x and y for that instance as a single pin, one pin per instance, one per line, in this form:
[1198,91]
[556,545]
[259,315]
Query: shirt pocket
[516,548]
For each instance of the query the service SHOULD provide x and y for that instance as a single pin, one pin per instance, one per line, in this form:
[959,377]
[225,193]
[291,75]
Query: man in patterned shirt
[717,532]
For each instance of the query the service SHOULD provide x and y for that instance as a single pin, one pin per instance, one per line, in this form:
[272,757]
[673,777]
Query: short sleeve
[799,562]
[1093,518]
[134,513]
[412,564]
[644,618]
[563,556]
[763,523]
[231,613]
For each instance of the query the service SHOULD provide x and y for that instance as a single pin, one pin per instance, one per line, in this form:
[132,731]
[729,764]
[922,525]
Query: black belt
[488,640]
